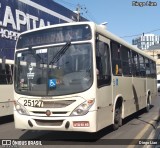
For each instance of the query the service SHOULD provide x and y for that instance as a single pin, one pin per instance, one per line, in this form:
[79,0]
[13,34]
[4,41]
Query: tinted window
[142,66]
[116,58]
[153,69]
[126,61]
[6,74]
[148,70]
[135,64]
[103,64]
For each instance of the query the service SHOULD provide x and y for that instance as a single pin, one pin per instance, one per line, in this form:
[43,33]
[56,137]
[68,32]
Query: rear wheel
[148,106]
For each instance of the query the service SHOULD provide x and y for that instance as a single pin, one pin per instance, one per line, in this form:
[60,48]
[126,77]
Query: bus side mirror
[3,62]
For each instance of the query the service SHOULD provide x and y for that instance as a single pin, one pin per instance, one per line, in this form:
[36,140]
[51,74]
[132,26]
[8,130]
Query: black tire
[120,119]
[117,118]
[148,106]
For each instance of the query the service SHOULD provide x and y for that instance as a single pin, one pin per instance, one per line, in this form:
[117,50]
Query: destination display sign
[55,35]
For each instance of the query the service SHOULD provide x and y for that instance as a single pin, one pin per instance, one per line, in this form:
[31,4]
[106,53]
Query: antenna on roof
[104,25]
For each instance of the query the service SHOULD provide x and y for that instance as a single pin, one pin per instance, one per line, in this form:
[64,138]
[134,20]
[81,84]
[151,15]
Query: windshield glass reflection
[40,72]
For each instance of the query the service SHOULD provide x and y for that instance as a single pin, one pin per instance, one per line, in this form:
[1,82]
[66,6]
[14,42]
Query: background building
[17,16]
[145,41]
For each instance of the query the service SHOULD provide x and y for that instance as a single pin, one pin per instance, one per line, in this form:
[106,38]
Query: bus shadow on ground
[136,115]
[6,119]
[66,136]
[75,137]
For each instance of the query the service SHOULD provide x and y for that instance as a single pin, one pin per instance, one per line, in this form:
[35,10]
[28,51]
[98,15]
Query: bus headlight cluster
[83,108]
[20,109]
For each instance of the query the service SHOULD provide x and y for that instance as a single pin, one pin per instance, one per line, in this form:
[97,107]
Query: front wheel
[117,118]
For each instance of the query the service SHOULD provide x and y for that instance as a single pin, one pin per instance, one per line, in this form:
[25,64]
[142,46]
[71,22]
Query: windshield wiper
[34,53]
[60,53]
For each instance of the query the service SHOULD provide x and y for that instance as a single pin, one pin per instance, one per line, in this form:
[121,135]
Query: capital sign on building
[17,16]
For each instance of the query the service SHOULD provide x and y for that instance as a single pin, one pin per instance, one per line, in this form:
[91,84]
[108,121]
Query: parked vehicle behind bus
[6,87]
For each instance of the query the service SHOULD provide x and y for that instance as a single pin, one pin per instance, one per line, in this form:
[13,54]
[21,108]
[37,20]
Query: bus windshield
[55,70]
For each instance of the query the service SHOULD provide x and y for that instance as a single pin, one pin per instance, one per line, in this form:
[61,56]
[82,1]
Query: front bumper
[86,123]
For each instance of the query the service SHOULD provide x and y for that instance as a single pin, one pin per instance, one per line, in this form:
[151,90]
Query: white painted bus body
[132,92]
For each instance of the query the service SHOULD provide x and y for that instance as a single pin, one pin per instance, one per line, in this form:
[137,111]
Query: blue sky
[123,18]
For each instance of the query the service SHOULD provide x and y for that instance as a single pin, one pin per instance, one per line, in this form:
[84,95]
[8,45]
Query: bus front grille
[53,113]
[48,122]
[57,104]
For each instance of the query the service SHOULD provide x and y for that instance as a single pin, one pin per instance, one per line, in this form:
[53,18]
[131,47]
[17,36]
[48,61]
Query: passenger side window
[142,66]
[126,61]
[148,70]
[153,69]
[116,58]
[135,64]
[103,64]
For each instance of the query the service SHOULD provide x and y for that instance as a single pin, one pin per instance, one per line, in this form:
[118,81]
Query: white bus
[79,77]
[6,87]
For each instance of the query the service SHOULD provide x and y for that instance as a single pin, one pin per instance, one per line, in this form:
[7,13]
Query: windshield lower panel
[53,71]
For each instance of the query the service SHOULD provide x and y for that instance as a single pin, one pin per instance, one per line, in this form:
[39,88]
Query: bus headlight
[83,108]
[20,109]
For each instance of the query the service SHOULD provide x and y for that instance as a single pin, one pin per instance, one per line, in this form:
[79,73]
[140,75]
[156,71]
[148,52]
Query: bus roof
[99,29]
